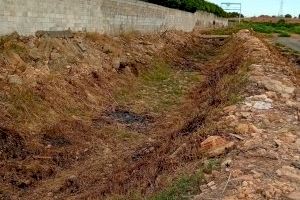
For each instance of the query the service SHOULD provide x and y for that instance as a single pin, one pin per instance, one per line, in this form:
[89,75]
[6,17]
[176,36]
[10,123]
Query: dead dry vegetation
[99,117]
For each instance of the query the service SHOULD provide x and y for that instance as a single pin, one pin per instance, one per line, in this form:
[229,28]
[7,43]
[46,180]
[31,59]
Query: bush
[263,28]
[234,15]
[281,21]
[288,16]
[191,6]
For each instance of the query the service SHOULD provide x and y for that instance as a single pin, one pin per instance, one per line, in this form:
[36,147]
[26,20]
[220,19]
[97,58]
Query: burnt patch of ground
[12,144]
[26,163]
[192,125]
[139,122]
[132,120]
[55,140]
[127,117]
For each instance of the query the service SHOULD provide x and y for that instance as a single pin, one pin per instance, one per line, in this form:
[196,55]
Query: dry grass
[128,36]
[182,92]
[93,36]
[198,117]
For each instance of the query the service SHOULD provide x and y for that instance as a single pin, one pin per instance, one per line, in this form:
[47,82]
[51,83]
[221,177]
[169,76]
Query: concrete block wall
[105,16]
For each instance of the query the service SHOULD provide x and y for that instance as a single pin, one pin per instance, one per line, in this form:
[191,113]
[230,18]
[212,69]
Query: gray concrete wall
[105,16]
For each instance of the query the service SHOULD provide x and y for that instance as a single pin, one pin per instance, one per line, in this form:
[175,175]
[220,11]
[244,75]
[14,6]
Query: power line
[280,14]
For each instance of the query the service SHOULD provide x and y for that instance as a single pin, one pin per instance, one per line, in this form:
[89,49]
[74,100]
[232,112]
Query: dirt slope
[265,164]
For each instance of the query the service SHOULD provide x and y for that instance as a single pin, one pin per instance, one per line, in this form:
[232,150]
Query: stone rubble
[265,164]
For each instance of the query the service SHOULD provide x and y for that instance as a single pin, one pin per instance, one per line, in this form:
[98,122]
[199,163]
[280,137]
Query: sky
[266,7]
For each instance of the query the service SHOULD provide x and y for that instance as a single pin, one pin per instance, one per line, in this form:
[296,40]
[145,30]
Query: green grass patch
[158,89]
[181,188]
[283,29]
[296,29]
[159,73]
[262,27]
[186,185]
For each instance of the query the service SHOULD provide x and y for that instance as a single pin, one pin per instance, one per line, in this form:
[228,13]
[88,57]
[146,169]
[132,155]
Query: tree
[299,16]
[281,21]
[234,15]
[191,6]
[288,16]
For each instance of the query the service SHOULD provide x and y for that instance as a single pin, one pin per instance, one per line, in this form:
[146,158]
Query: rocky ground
[266,161]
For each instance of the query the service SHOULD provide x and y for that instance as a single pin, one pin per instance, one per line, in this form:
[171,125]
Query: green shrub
[186,185]
[191,6]
[296,29]
[263,29]
[281,21]
[181,188]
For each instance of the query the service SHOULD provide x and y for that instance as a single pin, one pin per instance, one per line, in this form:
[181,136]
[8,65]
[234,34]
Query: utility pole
[237,7]
[280,13]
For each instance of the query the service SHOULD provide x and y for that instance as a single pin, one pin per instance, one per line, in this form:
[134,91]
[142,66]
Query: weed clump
[186,185]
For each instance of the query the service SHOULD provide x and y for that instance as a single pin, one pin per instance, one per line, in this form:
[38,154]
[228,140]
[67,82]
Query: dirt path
[291,42]
[266,162]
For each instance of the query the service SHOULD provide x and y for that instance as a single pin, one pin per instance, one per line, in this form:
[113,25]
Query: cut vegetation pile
[98,117]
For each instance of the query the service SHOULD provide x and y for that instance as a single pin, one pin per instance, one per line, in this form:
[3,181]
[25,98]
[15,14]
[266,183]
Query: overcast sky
[267,7]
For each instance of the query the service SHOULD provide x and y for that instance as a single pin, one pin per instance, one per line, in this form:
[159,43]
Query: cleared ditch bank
[129,133]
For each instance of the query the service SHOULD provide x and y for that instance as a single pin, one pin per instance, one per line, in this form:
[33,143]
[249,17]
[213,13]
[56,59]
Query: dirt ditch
[130,129]
[156,159]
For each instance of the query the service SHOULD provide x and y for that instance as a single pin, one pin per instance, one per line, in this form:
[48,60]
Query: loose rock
[211,183]
[54,56]
[294,195]
[289,172]
[277,86]
[242,129]
[262,105]
[15,79]
[288,137]
[215,145]
[229,109]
